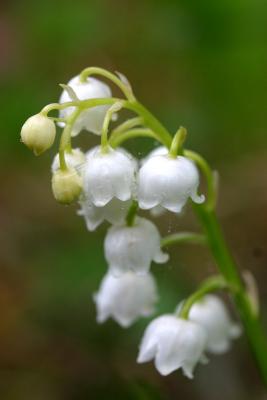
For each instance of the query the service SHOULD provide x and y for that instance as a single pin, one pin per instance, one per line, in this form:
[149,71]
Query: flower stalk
[183,237]
[229,270]
[105,188]
[177,142]
[130,217]
[209,285]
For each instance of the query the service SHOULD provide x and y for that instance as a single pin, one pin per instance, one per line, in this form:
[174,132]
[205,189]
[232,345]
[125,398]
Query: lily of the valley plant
[108,183]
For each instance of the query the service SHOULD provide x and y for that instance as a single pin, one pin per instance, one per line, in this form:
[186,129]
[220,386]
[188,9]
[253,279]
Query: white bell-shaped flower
[213,316]
[91,119]
[168,182]
[114,212]
[133,248]
[174,343]
[158,210]
[158,151]
[125,299]
[74,159]
[108,175]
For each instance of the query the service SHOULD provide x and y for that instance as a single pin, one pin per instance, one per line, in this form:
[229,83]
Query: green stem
[108,117]
[82,104]
[133,105]
[209,285]
[65,140]
[118,139]
[150,121]
[229,270]
[177,142]
[126,125]
[130,217]
[183,237]
[126,89]
[156,131]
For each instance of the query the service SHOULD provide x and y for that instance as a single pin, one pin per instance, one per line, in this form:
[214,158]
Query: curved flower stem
[108,117]
[82,104]
[151,122]
[177,142]
[126,125]
[117,140]
[148,118]
[229,270]
[65,140]
[126,89]
[183,237]
[57,119]
[209,285]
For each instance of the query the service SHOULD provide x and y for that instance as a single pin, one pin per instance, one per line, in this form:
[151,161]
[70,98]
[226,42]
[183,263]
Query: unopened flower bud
[38,133]
[66,185]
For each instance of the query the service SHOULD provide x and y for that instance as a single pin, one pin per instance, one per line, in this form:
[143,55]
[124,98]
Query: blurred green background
[201,64]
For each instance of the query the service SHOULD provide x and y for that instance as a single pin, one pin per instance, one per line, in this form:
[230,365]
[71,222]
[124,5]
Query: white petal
[212,314]
[93,215]
[175,343]
[91,119]
[133,248]
[125,299]
[147,351]
[157,211]
[149,343]
[114,212]
[188,370]
[198,199]
[158,151]
[108,175]
[161,257]
[167,358]
[167,182]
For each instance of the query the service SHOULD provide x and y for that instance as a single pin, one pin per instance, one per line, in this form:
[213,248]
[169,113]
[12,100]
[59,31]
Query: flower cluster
[110,184]
[178,343]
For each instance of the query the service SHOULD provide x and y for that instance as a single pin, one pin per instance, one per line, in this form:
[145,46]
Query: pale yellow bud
[66,185]
[38,133]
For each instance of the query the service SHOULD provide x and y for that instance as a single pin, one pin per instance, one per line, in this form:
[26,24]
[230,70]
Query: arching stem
[126,89]
[209,285]
[183,237]
[117,140]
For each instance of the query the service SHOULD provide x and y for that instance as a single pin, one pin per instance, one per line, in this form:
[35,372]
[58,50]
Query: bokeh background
[202,64]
